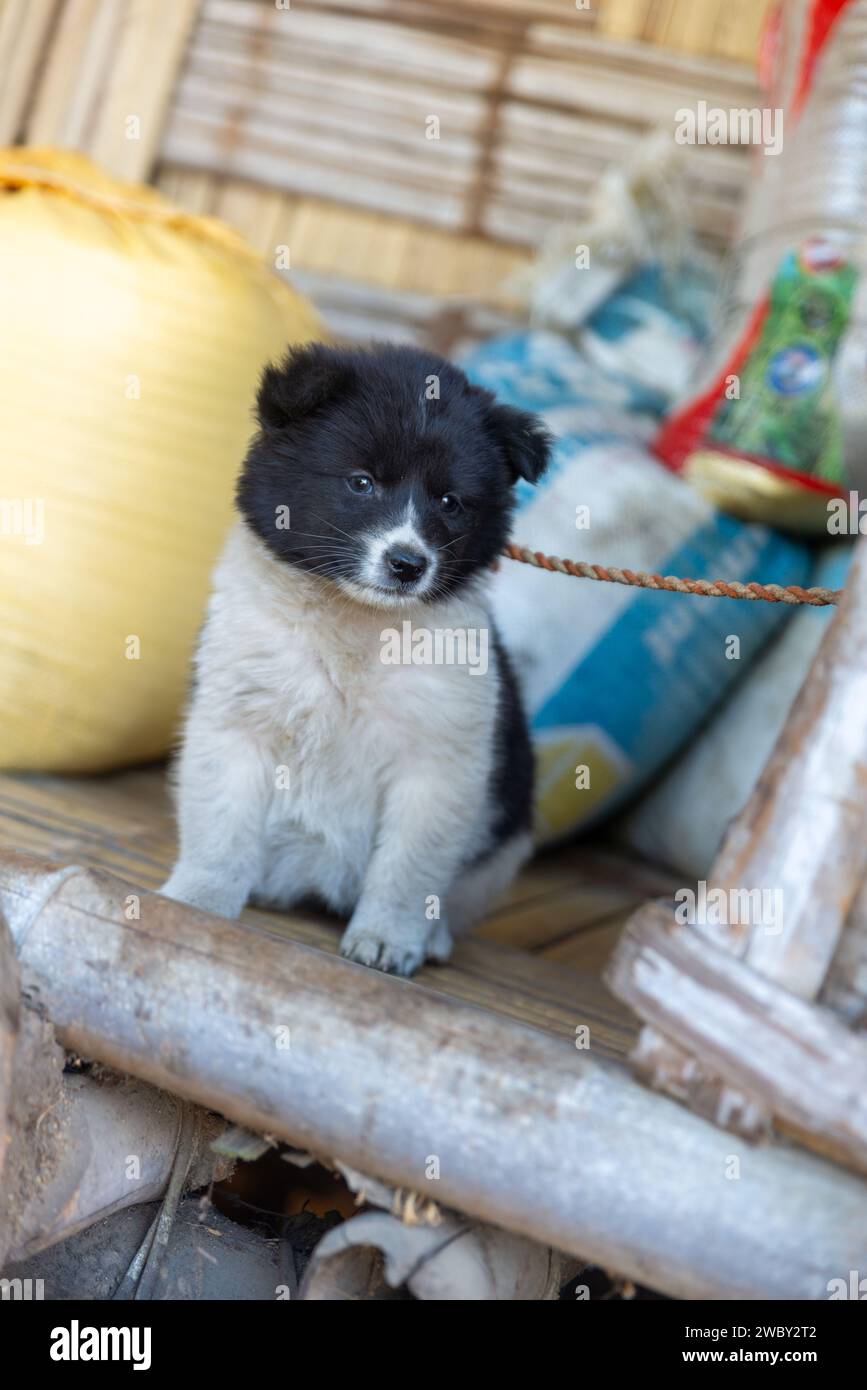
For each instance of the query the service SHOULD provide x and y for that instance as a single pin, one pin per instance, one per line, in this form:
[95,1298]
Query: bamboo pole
[806,1065]
[801,836]
[845,987]
[491,1118]
[803,832]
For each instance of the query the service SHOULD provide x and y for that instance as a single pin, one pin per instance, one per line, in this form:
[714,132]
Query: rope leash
[717,588]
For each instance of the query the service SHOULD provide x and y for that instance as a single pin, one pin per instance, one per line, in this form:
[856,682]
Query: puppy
[345,739]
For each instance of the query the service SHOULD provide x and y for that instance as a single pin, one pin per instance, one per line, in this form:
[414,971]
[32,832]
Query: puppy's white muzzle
[399,563]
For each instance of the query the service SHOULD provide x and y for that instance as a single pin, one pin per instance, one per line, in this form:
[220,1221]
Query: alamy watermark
[724,907]
[22,1290]
[24,517]
[77,1343]
[439,646]
[854,1288]
[714,125]
[847,516]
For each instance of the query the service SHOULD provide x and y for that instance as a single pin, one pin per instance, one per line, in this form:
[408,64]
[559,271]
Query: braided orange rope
[717,588]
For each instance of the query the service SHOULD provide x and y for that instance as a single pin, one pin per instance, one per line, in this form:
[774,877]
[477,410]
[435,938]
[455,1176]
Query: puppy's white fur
[310,767]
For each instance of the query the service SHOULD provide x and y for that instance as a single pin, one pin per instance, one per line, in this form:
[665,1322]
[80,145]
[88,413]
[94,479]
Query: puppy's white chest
[337,720]
[350,722]
[356,734]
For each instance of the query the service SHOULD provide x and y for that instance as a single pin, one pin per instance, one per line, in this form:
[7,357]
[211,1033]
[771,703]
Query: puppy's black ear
[523,439]
[306,379]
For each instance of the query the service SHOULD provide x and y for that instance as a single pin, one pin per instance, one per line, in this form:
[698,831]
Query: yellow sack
[131,340]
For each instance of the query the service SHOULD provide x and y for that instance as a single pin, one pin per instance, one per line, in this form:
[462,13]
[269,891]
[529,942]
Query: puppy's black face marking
[385,471]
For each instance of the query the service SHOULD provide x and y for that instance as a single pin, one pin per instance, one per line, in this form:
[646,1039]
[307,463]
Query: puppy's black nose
[406,565]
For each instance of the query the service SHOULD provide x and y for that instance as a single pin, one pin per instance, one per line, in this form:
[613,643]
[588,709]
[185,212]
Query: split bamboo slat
[25,28]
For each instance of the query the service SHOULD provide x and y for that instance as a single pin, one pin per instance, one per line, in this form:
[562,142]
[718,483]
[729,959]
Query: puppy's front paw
[394,946]
[395,958]
[383,946]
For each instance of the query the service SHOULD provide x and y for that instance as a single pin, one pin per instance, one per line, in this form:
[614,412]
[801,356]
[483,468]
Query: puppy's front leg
[428,819]
[223,791]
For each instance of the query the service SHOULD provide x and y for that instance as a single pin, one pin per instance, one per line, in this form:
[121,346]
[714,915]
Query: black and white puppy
[355,733]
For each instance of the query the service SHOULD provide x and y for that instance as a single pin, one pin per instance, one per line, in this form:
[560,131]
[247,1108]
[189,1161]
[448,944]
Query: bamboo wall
[307,126]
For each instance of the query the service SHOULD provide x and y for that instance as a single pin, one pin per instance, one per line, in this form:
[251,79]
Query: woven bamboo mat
[308,127]
[485,119]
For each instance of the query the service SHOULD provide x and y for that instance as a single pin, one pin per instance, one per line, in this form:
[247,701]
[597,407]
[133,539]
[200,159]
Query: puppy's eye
[360,483]
[450,504]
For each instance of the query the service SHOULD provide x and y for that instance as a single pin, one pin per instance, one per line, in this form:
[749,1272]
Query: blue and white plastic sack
[617,679]
[681,822]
